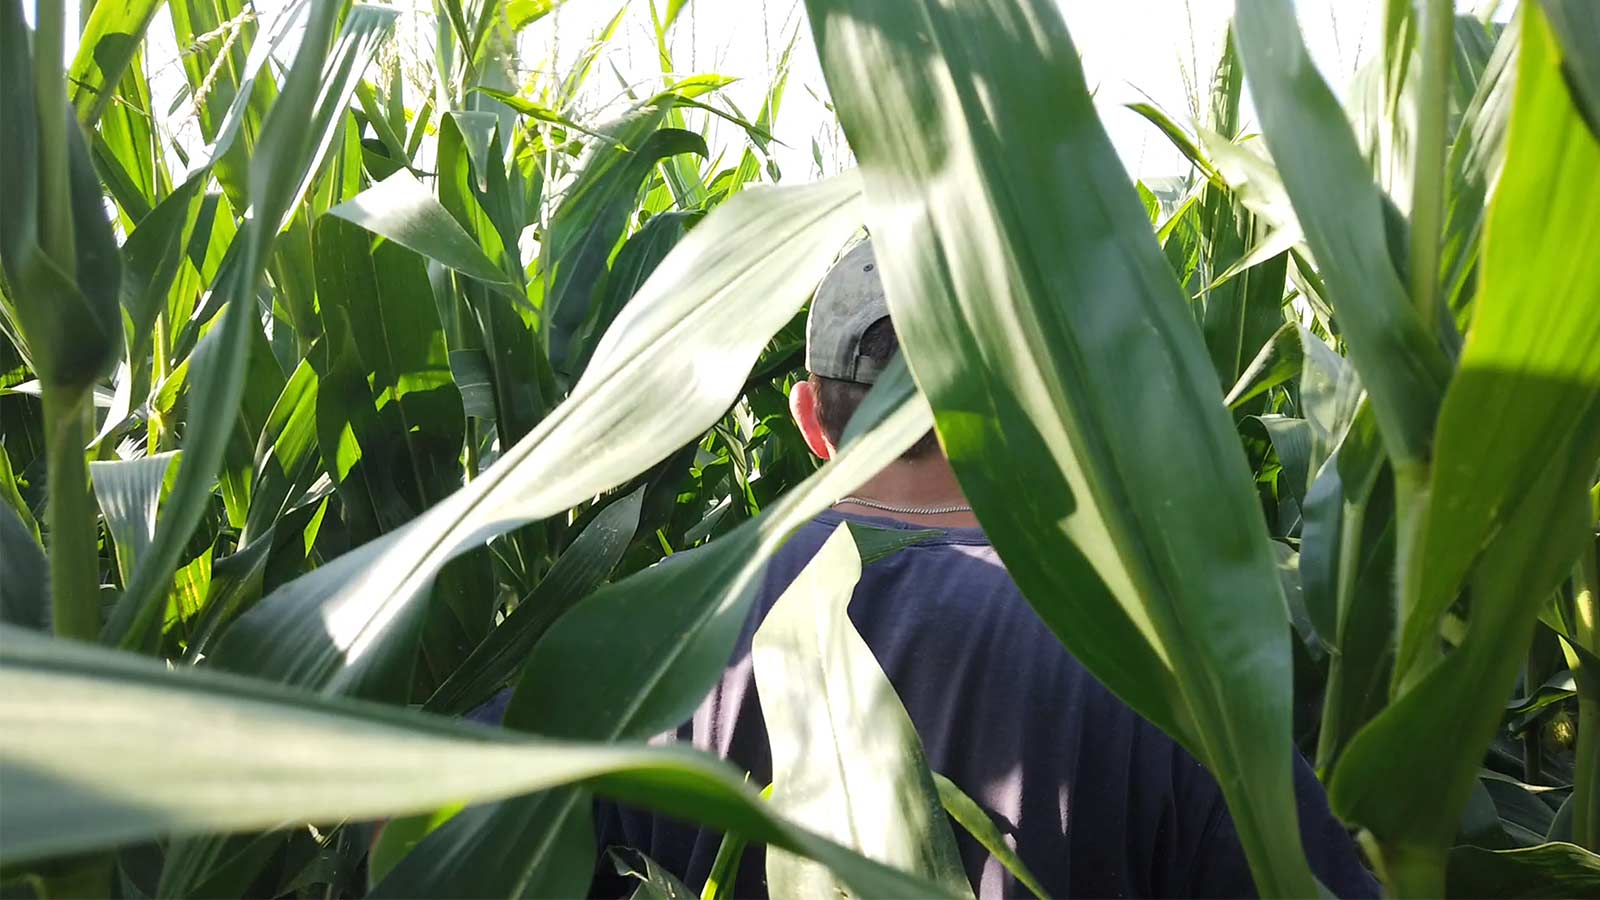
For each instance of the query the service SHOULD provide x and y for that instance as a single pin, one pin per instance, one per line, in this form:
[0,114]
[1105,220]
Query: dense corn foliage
[318,436]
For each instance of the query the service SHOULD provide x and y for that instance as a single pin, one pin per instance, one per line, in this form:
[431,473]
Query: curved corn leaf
[970,815]
[1292,441]
[541,113]
[1180,138]
[128,491]
[1555,869]
[484,851]
[725,867]
[1065,367]
[586,563]
[401,209]
[1278,361]
[1358,597]
[655,881]
[846,759]
[667,368]
[198,751]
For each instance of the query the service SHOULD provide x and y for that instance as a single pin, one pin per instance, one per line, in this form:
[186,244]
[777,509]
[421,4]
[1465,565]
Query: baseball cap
[849,300]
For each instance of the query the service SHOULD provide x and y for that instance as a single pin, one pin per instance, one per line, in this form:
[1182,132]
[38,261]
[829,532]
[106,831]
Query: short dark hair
[838,400]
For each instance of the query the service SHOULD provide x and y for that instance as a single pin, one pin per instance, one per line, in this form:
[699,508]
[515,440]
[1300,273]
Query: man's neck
[922,483]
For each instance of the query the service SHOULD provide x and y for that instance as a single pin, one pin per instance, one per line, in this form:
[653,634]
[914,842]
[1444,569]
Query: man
[1098,802]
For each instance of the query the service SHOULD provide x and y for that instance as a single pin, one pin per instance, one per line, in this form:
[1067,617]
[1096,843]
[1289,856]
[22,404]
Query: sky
[1132,50]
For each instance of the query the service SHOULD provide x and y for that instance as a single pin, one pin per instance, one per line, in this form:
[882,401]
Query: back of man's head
[850,341]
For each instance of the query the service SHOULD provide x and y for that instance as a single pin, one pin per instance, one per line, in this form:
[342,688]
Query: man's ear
[803,406]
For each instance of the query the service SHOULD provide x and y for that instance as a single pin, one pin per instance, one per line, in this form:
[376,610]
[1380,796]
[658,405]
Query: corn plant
[322,434]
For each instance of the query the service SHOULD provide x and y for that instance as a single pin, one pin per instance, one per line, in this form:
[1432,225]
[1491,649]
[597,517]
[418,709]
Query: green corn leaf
[1547,870]
[354,438]
[522,13]
[1353,596]
[1253,178]
[126,150]
[9,493]
[151,257]
[482,851]
[401,209]
[585,564]
[1065,367]
[1245,262]
[725,867]
[478,131]
[470,369]
[129,491]
[237,579]
[847,763]
[1476,157]
[108,43]
[285,456]
[1278,360]
[638,257]
[873,543]
[328,628]
[590,221]
[25,591]
[576,76]
[382,122]
[1508,507]
[1292,442]
[655,881]
[1341,211]
[1576,26]
[541,113]
[1330,394]
[970,816]
[1181,140]
[101,748]
[400,835]
[749,169]
[263,384]
[187,309]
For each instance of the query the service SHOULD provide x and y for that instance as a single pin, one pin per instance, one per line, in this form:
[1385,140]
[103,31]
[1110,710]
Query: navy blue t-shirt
[1095,800]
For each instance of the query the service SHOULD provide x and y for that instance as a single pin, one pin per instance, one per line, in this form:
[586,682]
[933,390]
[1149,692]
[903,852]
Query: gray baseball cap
[848,302]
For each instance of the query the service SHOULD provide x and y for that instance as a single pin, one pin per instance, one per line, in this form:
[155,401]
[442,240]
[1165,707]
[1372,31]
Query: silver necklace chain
[904,510]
